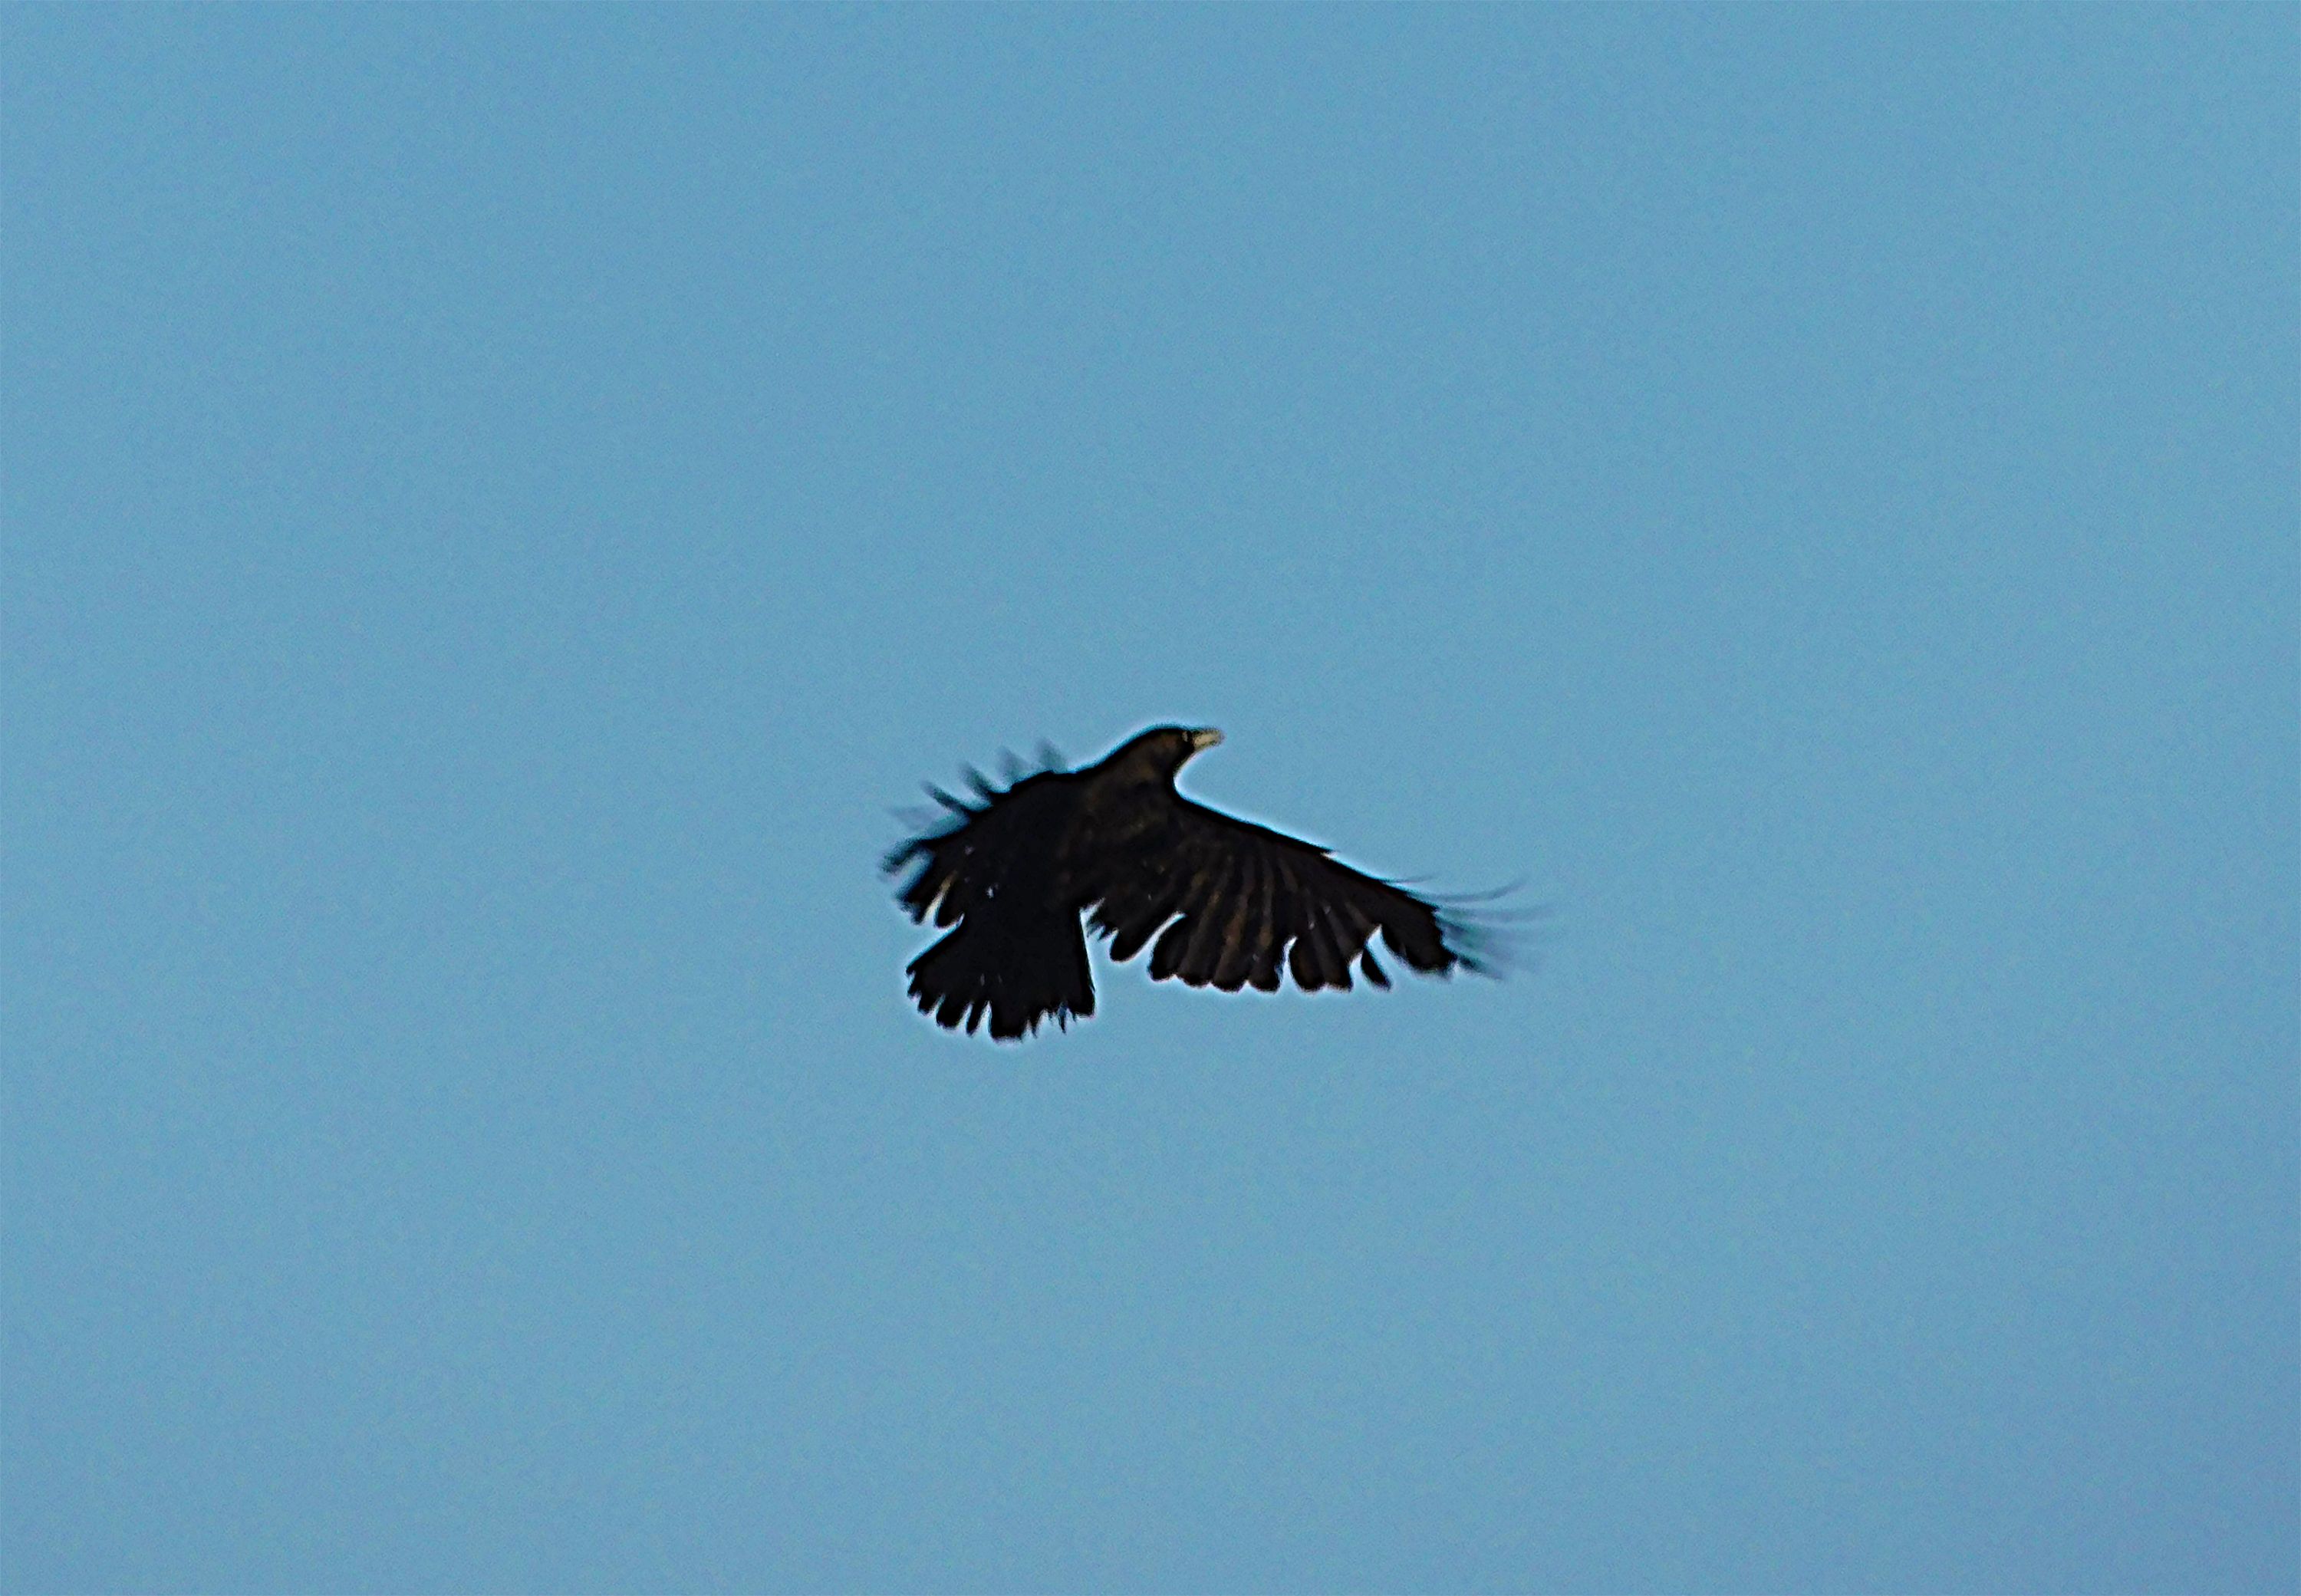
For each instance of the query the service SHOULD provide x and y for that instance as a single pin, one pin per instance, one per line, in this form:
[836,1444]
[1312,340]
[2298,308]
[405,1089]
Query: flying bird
[1231,904]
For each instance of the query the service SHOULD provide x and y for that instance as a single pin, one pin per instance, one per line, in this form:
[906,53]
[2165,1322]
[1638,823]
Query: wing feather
[1167,957]
[1212,915]
[1270,947]
[1241,933]
[1127,940]
[1303,960]
[1334,967]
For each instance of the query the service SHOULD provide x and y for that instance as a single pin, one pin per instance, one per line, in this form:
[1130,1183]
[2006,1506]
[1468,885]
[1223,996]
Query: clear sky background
[502,504]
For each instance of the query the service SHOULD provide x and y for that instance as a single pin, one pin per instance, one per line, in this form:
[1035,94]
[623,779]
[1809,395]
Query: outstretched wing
[1018,955]
[1003,844]
[1233,903]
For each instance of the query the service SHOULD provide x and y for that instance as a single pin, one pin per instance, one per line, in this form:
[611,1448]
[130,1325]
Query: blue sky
[501,504]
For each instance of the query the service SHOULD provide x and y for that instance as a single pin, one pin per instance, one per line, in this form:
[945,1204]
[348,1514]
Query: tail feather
[1017,975]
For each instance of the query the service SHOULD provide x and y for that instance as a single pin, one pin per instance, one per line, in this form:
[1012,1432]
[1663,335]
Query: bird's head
[1164,750]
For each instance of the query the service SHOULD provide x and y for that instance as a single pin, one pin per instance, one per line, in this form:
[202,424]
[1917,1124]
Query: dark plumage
[1230,903]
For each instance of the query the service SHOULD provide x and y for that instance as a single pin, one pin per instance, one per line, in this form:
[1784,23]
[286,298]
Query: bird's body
[1232,904]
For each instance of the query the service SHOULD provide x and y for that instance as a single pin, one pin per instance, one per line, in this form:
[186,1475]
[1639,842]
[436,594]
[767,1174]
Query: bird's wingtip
[1490,936]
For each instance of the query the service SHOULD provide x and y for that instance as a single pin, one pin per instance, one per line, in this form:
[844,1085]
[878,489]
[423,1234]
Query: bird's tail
[1017,973]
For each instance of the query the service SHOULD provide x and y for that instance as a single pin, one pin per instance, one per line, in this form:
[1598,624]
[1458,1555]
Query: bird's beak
[1204,739]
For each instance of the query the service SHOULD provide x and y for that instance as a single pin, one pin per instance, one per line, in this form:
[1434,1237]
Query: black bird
[1230,902]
